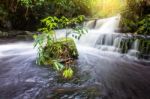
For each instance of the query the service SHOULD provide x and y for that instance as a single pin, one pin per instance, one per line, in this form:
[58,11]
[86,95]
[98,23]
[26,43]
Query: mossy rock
[62,50]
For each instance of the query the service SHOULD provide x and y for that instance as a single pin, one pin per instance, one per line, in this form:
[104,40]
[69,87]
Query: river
[104,72]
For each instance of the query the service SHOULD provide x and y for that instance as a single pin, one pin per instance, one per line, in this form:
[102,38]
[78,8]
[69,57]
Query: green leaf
[68,73]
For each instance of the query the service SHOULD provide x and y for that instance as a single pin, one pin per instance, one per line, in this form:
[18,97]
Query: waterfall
[108,26]
[102,36]
[102,33]
[136,44]
[90,24]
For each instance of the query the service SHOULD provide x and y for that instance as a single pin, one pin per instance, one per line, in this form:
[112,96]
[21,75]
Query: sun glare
[105,8]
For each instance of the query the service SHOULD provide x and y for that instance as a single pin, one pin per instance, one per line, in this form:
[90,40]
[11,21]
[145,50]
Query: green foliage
[60,50]
[26,14]
[3,12]
[144,47]
[144,26]
[50,23]
[58,66]
[27,3]
[31,3]
[62,22]
[129,21]
[135,15]
[3,15]
[68,73]
[53,51]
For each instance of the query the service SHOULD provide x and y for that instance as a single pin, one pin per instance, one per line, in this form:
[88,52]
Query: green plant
[68,73]
[144,25]
[58,52]
[133,12]
[3,16]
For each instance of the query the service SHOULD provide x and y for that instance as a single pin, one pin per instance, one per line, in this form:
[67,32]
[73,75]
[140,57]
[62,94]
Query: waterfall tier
[102,35]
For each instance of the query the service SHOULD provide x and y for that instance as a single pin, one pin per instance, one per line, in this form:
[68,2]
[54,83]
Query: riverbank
[17,34]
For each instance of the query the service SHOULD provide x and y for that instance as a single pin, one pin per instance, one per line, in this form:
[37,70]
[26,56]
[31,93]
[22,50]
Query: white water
[102,37]
[108,26]
[20,48]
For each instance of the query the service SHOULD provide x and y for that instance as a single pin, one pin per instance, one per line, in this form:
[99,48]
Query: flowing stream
[107,69]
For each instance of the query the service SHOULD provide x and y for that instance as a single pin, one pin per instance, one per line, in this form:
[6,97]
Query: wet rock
[27,35]
[1,33]
[7,24]
[118,30]
[5,34]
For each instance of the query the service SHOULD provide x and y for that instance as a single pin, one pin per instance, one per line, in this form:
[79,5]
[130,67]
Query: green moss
[63,49]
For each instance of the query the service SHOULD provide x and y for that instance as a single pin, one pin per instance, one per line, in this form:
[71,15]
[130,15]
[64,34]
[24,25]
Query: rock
[20,37]
[7,25]
[5,34]
[1,33]
[118,30]
[28,33]
[67,54]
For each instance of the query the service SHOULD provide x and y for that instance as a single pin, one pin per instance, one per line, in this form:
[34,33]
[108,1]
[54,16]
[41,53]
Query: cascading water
[92,36]
[112,74]
[104,38]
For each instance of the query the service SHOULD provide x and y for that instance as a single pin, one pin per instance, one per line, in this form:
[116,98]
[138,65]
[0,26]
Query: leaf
[68,73]
[58,66]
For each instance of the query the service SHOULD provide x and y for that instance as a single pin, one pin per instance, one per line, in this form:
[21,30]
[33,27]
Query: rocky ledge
[17,34]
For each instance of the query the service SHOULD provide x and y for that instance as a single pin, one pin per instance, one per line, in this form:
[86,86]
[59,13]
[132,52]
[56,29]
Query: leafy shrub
[53,51]
[144,26]
[133,13]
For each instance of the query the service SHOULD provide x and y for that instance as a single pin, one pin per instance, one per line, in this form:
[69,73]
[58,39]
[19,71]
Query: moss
[62,50]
